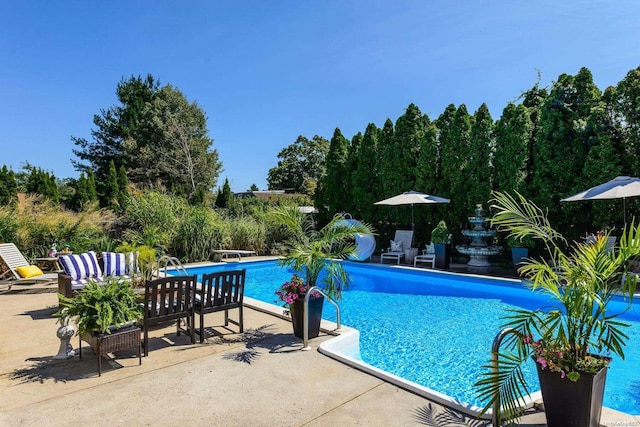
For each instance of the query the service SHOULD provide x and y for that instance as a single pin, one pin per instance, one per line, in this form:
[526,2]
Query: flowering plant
[294,290]
[566,336]
[558,358]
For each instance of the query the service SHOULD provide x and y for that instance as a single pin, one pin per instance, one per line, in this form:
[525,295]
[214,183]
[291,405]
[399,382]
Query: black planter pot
[315,316]
[572,404]
[443,255]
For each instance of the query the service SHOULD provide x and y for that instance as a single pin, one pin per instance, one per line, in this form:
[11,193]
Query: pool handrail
[175,263]
[305,328]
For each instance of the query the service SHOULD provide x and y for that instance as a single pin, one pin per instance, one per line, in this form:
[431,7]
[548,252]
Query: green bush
[248,233]
[200,233]
[35,224]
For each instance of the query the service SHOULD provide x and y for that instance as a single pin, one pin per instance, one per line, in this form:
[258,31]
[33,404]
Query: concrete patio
[260,378]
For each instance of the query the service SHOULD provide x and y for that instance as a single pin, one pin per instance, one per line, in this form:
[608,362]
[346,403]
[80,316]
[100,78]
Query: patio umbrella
[620,187]
[412,198]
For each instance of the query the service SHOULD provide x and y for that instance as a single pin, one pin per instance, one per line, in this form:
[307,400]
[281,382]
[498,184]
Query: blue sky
[265,72]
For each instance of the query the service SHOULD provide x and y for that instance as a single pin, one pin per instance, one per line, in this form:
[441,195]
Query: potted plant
[292,294]
[310,252]
[566,337]
[101,308]
[520,248]
[441,239]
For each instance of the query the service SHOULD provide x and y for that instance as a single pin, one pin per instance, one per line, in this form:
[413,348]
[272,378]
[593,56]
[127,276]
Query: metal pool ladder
[175,263]
[305,345]
[496,409]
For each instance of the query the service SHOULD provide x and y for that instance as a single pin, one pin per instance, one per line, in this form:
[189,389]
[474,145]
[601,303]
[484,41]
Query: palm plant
[580,281]
[310,250]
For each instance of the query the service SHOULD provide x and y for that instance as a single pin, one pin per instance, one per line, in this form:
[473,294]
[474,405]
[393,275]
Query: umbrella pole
[624,211]
[413,225]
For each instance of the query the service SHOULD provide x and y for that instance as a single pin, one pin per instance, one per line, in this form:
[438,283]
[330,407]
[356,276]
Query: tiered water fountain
[479,250]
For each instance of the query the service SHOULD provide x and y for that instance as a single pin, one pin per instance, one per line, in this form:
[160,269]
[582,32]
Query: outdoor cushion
[81,266]
[115,264]
[27,271]
[396,246]
[76,285]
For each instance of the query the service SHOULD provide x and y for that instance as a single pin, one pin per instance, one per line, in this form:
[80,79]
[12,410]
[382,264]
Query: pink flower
[562,375]
[559,353]
[542,362]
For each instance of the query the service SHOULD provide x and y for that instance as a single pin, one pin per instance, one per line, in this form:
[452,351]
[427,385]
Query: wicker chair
[221,291]
[169,299]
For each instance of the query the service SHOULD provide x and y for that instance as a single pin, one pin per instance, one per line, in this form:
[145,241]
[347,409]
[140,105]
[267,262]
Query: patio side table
[103,344]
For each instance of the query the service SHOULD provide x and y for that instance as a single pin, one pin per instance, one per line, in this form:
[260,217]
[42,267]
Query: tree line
[549,144]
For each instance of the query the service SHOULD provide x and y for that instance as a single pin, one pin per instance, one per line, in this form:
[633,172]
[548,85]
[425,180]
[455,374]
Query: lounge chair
[16,262]
[400,243]
[610,244]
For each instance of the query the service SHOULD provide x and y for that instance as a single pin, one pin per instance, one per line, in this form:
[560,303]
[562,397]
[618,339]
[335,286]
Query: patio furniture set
[400,249]
[165,300]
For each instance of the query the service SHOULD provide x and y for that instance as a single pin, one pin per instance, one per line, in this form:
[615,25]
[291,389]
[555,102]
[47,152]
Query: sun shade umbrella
[620,187]
[412,198]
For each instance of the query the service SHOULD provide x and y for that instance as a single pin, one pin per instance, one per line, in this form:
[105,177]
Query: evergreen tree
[455,165]
[478,171]
[8,187]
[155,133]
[351,165]
[427,169]
[225,197]
[123,187]
[387,157]
[81,195]
[626,107]
[334,195]
[254,187]
[561,149]
[111,193]
[365,181]
[91,186]
[512,134]
[444,124]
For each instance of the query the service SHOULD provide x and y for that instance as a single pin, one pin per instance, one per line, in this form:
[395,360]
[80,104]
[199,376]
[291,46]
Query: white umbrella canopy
[412,198]
[620,187]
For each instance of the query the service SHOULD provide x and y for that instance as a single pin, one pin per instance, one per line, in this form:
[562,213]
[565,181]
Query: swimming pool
[435,329]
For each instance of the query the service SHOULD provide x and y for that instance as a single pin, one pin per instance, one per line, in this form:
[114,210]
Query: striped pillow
[114,264]
[81,266]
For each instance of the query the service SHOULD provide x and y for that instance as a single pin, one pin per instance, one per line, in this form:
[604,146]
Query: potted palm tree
[310,252]
[567,337]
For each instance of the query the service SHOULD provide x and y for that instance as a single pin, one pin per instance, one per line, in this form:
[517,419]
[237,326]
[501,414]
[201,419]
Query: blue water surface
[436,329]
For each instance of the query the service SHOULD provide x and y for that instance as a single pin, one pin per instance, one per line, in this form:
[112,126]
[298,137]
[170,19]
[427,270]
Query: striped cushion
[81,266]
[76,285]
[115,264]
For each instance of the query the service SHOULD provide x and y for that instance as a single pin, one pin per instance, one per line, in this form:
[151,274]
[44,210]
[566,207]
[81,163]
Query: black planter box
[315,316]
[572,404]
[443,255]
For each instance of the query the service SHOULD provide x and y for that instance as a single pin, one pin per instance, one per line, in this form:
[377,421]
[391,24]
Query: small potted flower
[441,239]
[520,248]
[292,294]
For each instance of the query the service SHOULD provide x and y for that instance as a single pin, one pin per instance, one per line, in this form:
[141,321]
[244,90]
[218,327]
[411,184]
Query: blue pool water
[436,329]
